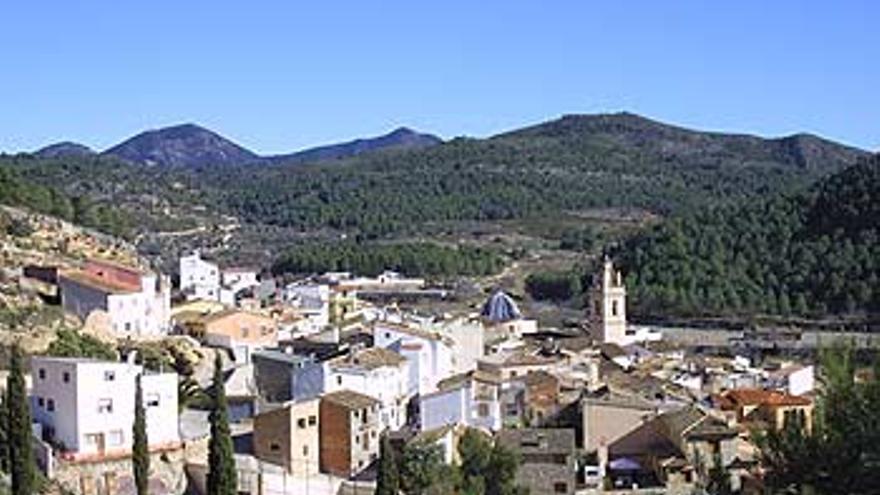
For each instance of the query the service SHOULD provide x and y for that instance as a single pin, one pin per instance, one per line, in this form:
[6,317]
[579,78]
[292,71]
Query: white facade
[386,382]
[87,406]
[136,313]
[238,279]
[794,379]
[312,303]
[199,278]
[430,355]
[608,308]
[472,403]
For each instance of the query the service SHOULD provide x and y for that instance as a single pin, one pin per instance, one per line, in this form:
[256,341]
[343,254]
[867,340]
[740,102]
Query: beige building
[241,332]
[607,307]
[289,437]
[609,417]
[349,426]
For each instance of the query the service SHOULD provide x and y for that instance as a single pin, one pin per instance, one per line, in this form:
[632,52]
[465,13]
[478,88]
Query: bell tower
[607,306]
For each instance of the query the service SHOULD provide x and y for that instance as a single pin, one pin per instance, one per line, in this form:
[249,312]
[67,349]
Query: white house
[376,372]
[430,354]
[138,303]
[203,279]
[312,303]
[86,406]
[795,379]
[199,278]
[470,399]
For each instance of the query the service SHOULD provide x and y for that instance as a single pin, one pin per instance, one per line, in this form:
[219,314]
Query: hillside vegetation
[810,253]
[572,164]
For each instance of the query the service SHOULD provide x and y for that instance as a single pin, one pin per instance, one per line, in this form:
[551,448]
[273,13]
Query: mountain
[572,164]
[64,149]
[812,253]
[400,138]
[186,145]
[667,142]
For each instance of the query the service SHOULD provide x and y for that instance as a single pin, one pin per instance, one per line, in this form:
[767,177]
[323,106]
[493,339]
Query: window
[301,423]
[313,420]
[613,308]
[93,438]
[338,380]
[152,400]
[305,450]
[128,326]
[115,438]
[105,406]
[42,374]
[109,376]
[40,401]
[66,377]
[483,410]
[560,487]
[244,332]
[50,405]
[387,335]
[274,447]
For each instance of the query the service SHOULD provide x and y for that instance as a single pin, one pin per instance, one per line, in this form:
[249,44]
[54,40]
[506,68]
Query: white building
[471,399]
[795,379]
[138,303]
[203,279]
[199,278]
[429,354]
[87,406]
[312,303]
[376,372]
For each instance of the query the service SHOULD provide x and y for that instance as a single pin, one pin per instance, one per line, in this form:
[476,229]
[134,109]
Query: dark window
[109,376]
[313,420]
[274,447]
[301,422]
[40,401]
[42,374]
[560,487]
[50,405]
[66,377]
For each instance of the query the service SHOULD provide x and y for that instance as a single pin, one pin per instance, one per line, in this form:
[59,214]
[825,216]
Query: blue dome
[500,308]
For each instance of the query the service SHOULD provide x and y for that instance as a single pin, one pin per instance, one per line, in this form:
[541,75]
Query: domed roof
[500,307]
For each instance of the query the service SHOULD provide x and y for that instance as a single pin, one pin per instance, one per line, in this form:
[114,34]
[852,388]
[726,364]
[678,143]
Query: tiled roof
[371,358]
[98,283]
[350,399]
[760,397]
[461,379]
[539,440]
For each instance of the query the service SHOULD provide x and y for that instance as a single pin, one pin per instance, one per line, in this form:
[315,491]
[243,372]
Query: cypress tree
[23,472]
[221,463]
[4,435]
[140,455]
[388,481]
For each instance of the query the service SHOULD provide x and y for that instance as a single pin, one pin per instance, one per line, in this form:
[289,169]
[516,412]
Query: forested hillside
[574,163]
[812,253]
[413,259]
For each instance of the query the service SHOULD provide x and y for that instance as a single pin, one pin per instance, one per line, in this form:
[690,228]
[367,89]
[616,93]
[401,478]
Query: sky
[285,75]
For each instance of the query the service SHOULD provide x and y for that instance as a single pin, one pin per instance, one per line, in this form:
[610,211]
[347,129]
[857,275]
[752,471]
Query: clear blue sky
[279,76]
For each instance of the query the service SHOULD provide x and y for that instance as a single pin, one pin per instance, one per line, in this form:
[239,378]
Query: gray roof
[500,307]
[538,440]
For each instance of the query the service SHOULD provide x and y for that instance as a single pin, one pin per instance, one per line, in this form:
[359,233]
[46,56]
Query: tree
[486,468]
[4,436]
[23,470]
[841,451]
[422,469]
[718,482]
[388,481]
[221,463]
[140,455]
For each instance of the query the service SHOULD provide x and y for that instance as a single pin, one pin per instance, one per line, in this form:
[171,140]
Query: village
[320,371]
